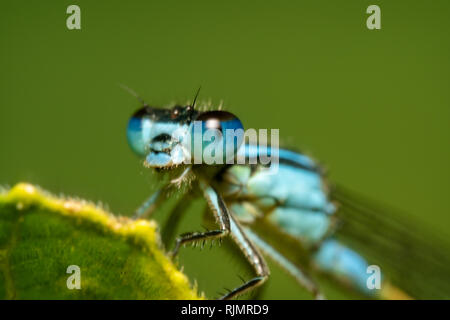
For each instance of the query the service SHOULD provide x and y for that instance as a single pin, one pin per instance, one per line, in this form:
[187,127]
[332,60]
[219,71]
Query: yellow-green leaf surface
[119,258]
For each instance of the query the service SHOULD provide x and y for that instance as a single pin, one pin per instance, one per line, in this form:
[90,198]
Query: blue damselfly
[291,215]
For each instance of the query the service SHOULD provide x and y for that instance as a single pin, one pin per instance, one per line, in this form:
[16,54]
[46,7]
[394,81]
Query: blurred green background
[372,105]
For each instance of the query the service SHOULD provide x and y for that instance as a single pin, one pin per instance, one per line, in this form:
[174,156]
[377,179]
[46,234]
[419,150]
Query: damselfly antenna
[195,98]
[133,93]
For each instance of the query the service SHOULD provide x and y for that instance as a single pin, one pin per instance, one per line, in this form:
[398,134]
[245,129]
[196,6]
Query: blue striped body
[292,197]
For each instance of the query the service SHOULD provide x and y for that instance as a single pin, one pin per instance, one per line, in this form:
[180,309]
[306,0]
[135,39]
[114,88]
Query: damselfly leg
[154,201]
[160,196]
[302,278]
[254,258]
[174,219]
[221,214]
[227,225]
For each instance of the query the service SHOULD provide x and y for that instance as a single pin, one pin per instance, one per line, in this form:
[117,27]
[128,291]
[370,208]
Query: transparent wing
[412,258]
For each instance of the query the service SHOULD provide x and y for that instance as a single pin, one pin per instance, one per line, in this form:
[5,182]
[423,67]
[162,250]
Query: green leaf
[119,258]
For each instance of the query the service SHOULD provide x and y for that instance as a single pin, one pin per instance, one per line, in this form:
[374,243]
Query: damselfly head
[166,137]
[155,133]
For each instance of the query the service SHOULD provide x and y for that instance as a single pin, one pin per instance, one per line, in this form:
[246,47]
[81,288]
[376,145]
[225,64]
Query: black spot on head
[162,137]
[145,111]
[179,114]
[215,119]
[219,115]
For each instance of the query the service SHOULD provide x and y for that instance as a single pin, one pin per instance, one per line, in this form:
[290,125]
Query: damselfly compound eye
[138,130]
[222,133]
[220,120]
